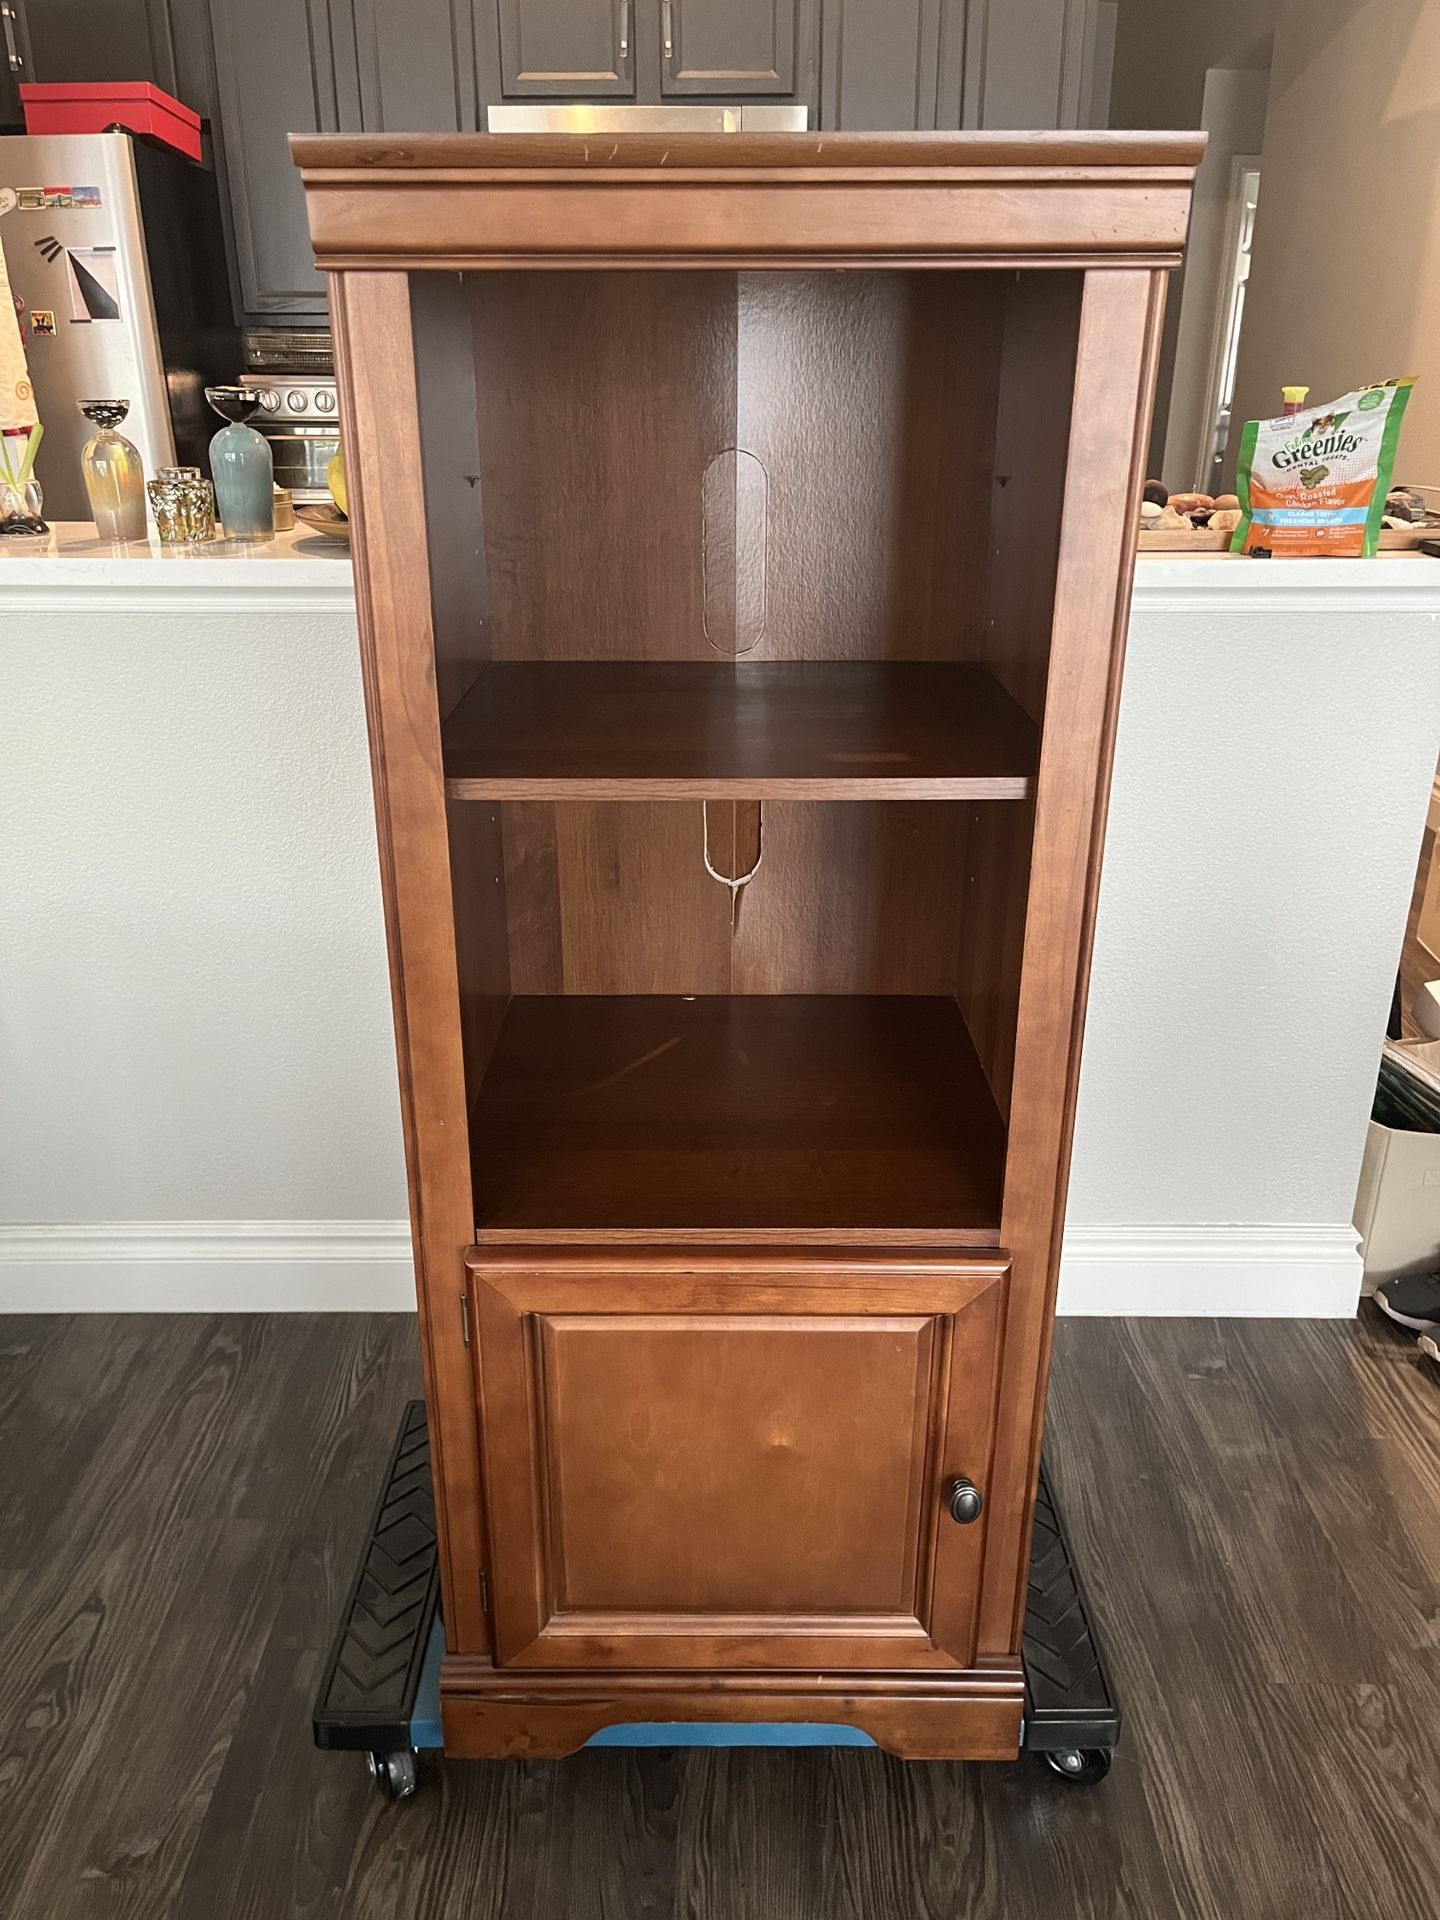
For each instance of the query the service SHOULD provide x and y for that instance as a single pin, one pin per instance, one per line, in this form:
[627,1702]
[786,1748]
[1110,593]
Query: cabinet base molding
[493,1714]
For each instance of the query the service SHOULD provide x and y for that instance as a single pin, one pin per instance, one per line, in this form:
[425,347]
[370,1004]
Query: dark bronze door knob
[965,1501]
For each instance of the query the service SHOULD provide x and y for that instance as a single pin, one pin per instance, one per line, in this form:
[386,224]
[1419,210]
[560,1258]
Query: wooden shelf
[825,1119]
[677,730]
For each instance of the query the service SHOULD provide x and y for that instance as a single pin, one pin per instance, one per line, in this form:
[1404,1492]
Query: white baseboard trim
[1286,1272]
[208,1266]
[348,1266]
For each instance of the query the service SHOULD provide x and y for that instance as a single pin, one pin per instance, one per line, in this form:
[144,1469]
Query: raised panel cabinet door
[709,1458]
[276,74]
[885,64]
[564,48]
[1027,63]
[417,66]
[726,47]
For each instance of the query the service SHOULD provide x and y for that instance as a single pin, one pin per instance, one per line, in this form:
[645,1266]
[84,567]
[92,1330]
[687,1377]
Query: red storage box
[92,106]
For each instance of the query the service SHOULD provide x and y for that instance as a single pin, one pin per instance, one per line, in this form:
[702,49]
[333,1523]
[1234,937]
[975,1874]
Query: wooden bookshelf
[833,1119]
[799,473]
[680,730]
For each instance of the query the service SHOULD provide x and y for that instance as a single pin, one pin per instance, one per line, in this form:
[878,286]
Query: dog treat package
[1315,481]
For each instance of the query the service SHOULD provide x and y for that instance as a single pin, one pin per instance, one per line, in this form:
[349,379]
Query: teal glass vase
[241,467]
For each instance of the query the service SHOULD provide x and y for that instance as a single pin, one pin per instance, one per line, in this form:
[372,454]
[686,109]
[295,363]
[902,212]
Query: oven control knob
[324,401]
[269,401]
[296,400]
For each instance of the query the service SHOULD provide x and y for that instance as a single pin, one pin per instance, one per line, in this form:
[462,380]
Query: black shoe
[1413,1300]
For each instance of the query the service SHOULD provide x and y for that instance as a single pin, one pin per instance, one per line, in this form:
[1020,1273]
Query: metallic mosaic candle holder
[184,506]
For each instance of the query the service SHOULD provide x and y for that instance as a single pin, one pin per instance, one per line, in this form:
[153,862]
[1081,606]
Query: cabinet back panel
[614,898]
[781,465]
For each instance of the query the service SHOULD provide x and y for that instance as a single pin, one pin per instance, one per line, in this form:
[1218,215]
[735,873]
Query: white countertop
[300,568]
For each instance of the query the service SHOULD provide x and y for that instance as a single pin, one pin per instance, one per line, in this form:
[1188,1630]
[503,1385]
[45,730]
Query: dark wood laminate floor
[1257,1507]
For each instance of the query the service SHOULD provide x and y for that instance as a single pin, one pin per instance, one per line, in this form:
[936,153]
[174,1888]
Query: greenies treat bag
[1315,481]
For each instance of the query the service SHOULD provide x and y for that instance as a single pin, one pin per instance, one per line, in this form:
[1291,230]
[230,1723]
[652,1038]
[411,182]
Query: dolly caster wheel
[393,1773]
[1081,1766]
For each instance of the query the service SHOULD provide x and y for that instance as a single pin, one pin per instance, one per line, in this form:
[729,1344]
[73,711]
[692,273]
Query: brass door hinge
[465,1318]
[485,1594]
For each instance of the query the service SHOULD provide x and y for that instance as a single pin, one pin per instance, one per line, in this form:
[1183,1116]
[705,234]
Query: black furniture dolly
[380,1693]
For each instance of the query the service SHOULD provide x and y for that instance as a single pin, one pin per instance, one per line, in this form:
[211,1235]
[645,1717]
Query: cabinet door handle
[667,27]
[964,1501]
[624,31]
[12,51]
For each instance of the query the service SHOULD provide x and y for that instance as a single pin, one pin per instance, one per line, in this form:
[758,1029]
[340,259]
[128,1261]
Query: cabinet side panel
[1114,389]
[1032,431]
[455,541]
[455,534]
[375,361]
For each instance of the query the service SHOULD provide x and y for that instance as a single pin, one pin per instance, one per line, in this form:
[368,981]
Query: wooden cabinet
[742,646]
[721,1459]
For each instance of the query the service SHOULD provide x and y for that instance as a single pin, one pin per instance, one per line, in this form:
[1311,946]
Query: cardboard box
[1397,1210]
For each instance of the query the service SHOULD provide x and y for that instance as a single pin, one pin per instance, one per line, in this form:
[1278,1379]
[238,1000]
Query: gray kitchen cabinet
[716,48]
[258,70]
[280,68]
[329,66]
[888,64]
[166,42]
[417,64]
[653,51]
[955,63]
[1027,62]
[15,64]
[572,49]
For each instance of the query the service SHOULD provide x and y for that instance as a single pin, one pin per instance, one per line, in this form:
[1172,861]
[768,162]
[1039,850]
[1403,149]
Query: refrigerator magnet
[94,284]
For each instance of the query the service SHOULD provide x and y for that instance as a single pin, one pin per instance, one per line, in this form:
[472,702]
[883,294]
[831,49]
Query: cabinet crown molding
[447,201]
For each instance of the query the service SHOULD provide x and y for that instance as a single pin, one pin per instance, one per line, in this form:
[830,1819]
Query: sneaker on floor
[1413,1300]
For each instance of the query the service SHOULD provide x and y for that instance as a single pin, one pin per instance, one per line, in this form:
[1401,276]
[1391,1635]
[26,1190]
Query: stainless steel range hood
[603,117]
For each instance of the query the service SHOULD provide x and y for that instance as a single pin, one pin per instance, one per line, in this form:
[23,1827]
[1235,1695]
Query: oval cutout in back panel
[735,535]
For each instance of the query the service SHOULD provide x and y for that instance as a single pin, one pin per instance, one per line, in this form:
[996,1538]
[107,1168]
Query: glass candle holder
[20,508]
[114,474]
[183,503]
[21,501]
[244,470]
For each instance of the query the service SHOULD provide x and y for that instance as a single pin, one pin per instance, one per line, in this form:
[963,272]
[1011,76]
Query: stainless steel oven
[298,416]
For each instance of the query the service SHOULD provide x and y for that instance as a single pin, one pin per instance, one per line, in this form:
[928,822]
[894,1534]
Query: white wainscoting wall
[198,1104]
